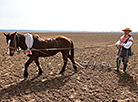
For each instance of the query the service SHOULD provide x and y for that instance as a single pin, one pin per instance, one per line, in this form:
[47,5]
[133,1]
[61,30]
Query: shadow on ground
[32,86]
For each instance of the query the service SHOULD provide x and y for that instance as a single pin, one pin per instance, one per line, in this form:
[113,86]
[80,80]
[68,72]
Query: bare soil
[99,84]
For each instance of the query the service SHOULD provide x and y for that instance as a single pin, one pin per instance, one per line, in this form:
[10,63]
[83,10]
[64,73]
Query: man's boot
[124,69]
[117,65]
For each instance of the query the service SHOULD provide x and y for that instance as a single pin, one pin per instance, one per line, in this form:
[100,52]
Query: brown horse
[16,40]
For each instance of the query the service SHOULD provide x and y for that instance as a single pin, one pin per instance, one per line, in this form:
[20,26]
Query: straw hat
[127,29]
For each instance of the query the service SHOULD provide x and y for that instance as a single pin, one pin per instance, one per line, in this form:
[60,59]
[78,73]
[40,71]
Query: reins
[52,49]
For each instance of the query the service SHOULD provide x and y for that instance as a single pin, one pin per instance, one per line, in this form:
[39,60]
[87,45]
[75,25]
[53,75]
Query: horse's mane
[36,35]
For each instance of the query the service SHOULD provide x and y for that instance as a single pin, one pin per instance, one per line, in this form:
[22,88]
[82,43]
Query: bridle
[16,48]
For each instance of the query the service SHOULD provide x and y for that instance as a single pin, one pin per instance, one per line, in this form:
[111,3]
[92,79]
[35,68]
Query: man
[124,46]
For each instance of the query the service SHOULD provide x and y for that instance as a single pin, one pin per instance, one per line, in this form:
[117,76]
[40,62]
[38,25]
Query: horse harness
[16,48]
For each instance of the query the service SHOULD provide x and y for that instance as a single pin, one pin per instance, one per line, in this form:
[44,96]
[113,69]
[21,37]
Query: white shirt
[126,45]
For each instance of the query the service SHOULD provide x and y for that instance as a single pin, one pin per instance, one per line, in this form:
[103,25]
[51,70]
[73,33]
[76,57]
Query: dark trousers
[124,59]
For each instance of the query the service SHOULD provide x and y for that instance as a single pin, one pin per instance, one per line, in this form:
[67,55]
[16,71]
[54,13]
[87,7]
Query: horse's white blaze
[9,41]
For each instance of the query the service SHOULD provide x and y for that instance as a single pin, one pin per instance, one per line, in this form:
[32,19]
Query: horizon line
[23,30]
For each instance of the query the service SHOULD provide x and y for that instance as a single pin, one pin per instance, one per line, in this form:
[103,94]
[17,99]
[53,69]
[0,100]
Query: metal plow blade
[95,63]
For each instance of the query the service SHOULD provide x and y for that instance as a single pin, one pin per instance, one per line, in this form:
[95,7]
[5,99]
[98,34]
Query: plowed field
[99,84]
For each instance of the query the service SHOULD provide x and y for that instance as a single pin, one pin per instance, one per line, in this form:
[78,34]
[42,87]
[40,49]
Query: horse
[17,40]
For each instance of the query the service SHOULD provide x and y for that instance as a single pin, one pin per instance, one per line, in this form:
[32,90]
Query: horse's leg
[73,62]
[71,56]
[39,66]
[63,68]
[65,56]
[31,59]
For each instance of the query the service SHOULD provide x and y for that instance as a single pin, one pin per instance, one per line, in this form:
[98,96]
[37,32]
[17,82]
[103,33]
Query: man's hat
[127,29]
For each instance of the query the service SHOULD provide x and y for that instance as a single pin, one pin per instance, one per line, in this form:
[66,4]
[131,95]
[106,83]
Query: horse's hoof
[76,71]
[25,78]
[40,73]
[61,72]
[75,67]
[25,75]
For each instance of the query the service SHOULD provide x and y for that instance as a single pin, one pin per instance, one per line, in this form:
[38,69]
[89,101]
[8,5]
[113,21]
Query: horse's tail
[72,49]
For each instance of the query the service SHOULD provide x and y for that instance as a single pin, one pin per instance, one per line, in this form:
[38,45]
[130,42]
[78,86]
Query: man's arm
[118,43]
[129,43]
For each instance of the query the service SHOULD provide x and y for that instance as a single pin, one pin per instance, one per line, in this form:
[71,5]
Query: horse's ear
[5,34]
[14,33]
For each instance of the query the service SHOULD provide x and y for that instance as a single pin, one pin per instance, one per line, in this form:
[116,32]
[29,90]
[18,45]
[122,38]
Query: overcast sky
[76,15]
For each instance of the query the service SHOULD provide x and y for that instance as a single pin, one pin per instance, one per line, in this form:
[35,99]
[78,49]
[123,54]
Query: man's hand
[120,45]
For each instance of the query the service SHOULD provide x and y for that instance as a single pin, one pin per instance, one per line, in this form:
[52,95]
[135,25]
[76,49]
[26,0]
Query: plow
[87,63]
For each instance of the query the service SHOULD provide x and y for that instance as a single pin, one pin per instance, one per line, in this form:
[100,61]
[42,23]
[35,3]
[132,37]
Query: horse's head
[11,39]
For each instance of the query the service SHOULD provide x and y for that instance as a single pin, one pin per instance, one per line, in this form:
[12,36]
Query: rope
[52,49]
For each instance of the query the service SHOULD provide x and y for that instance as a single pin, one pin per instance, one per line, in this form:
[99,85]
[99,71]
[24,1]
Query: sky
[72,15]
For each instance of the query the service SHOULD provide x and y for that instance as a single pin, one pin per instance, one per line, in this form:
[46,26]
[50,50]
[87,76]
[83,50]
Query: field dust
[99,84]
